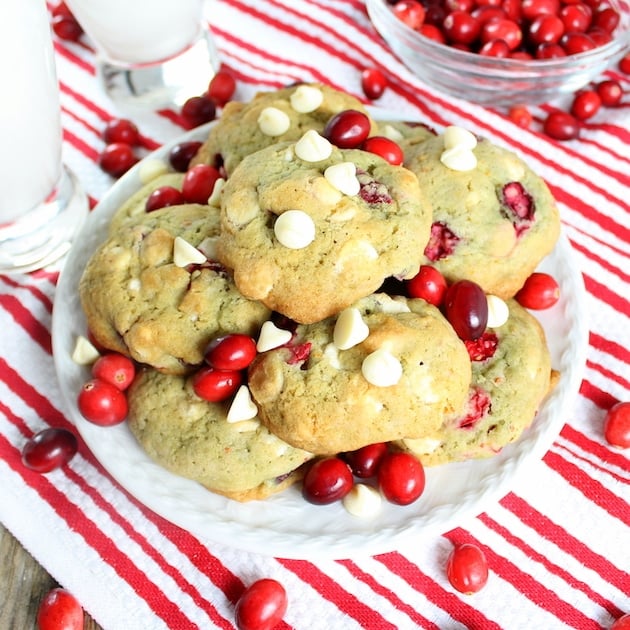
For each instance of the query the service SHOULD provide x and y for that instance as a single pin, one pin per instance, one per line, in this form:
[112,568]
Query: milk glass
[150,52]
[41,204]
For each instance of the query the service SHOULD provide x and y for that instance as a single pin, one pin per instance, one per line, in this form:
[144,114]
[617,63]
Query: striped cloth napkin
[557,544]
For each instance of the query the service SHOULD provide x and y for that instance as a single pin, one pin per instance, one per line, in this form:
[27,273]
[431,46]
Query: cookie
[511,374]
[494,219]
[309,236]
[141,301]
[382,370]
[192,438]
[270,117]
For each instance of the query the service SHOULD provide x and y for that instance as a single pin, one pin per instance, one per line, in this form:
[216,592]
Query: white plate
[286,525]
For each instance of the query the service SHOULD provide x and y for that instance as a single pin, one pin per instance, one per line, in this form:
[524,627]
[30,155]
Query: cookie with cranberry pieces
[494,218]
[154,291]
[309,228]
[270,117]
[511,375]
[192,438]
[382,369]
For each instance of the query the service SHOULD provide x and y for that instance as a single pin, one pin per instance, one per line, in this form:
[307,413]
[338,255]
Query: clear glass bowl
[496,81]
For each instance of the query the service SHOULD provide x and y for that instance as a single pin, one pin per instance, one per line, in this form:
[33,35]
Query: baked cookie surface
[511,374]
[270,117]
[492,224]
[398,381]
[138,301]
[358,237]
[192,438]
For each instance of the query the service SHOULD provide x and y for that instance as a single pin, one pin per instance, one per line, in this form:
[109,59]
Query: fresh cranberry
[599,36]
[623,623]
[199,182]
[442,242]
[364,462]
[503,29]
[485,14]
[121,130]
[521,116]
[198,110]
[231,352]
[216,385]
[549,50]
[482,348]
[428,284]
[373,82]
[327,480]
[561,125]
[49,449]
[531,8]
[262,606]
[617,425]
[386,148]
[467,568]
[181,154]
[66,27]
[459,5]
[540,291]
[347,129]
[221,87]
[576,17]
[102,403]
[610,92]
[432,32]
[586,104]
[607,19]
[495,48]
[545,29]
[163,197]
[624,64]
[518,205]
[117,158]
[401,477]
[461,27]
[512,9]
[411,12]
[576,43]
[59,610]
[116,369]
[466,308]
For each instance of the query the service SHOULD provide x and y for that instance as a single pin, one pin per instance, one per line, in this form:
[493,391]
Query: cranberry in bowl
[509,53]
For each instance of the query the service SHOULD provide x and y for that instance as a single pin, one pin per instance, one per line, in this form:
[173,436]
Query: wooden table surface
[23,584]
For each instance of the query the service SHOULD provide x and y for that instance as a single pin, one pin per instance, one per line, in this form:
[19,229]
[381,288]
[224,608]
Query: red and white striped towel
[558,544]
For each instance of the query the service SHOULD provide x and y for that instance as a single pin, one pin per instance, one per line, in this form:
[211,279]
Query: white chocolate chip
[306,98]
[134,285]
[242,407]
[185,254]
[215,196]
[294,229]
[273,121]
[389,131]
[208,247]
[350,329]
[459,159]
[151,168]
[423,445]
[392,305]
[312,147]
[381,368]
[454,136]
[363,501]
[343,177]
[498,311]
[272,337]
[84,352]
[331,354]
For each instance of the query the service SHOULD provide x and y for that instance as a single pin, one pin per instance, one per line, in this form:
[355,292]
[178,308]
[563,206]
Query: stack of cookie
[313,242]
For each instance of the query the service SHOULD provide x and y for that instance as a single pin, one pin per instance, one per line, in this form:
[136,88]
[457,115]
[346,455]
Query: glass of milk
[151,53]
[41,204]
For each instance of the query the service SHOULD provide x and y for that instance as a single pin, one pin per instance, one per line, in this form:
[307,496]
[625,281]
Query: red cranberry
[348,129]
[49,449]
[576,17]
[60,610]
[327,480]
[576,43]
[495,48]
[181,154]
[216,385]
[231,352]
[461,27]
[483,347]
[102,403]
[545,29]
[66,27]
[373,82]
[610,92]
[198,110]
[411,12]
[261,606]
[121,130]
[114,368]
[540,291]
[466,308]
[561,126]
[624,64]
[364,462]
[467,568]
[549,51]
[401,477]
[586,104]
[117,158]
[442,242]
[199,182]
[521,116]
[478,406]
[386,148]
[428,284]
[531,8]
[502,29]
[617,425]
[606,19]
[221,87]
[163,197]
